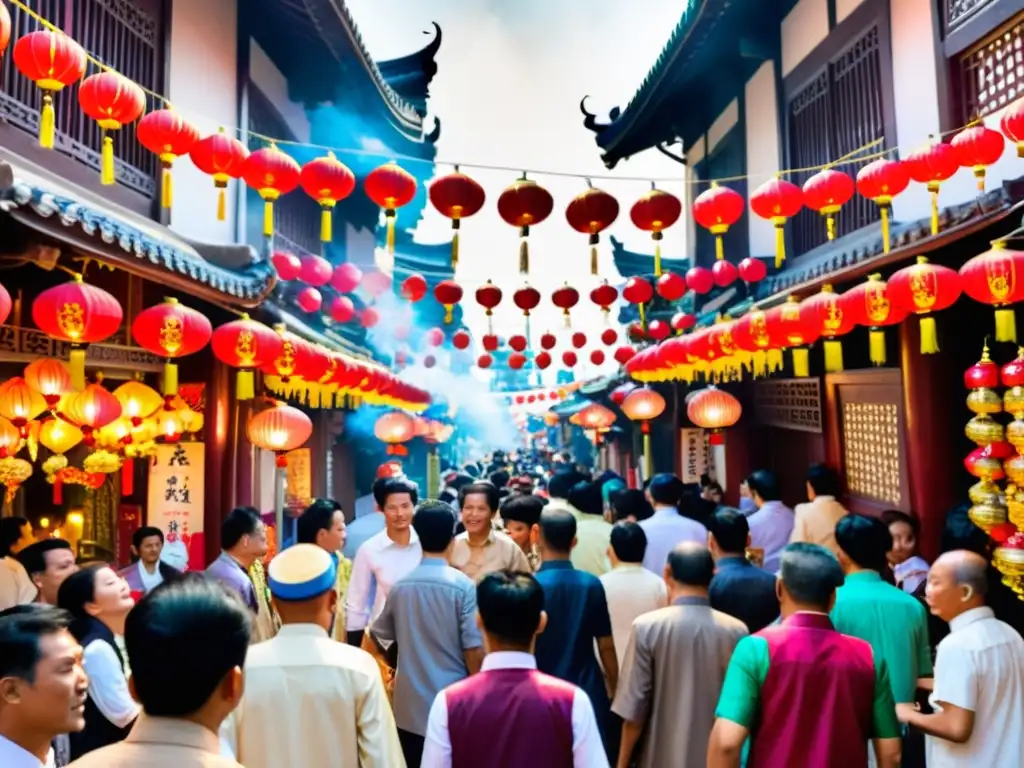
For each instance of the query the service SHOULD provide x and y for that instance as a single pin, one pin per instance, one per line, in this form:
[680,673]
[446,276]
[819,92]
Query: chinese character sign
[176,502]
[695,454]
[298,480]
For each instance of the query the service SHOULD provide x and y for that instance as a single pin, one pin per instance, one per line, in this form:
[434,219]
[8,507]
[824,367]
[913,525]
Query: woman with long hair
[99,600]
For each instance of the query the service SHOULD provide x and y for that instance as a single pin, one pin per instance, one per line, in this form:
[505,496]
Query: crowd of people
[532,616]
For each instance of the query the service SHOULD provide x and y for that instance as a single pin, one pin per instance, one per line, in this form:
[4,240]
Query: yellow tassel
[593,260]
[1006,324]
[648,457]
[448,312]
[643,316]
[774,360]
[325,224]
[719,248]
[166,188]
[78,368]
[833,355]
[170,378]
[222,202]
[885,229]
[390,216]
[268,218]
[979,174]
[455,249]
[876,346]
[657,258]
[245,385]
[47,122]
[107,160]
[929,336]
[801,362]
[935,210]
[524,256]
[780,242]
[830,226]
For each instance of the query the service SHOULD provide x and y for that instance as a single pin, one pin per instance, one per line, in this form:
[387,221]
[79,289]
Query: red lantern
[636,332]
[456,196]
[328,181]
[287,265]
[484,361]
[880,181]
[991,278]
[490,342]
[579,340]
[924,288]
[280,428]
[80,314]
[461,340]
[682,322]
[171,330]
[565,298]
[638,291]
[247,345]
[92,409]
[791,328]
[167,135]
[714,409]
[591,212]
[315,270]
[716,209]
[271,173]
[753,270]
[309,299]
[594,417]
[604,296]
[643,404]
[222,157]
[390,187]
[517,343]
[112,100]
[700,280]
[369,317]
[414,288]
[51,60]
[542,360]
[827,311]
[20,403]
[5,305]
[724,273]
[870,305]
[827,192]
[548,341]
[448,293]
[624,354]
[658,330]
[777,200]
[609,336]
[750,334]
[933,165]
[597,357]
[527,299]
[488,296]
[1012,125]
[655,212]
[5,28]
[516,361]
[50,378]
[977,147]
[346,278]
[569,358]
[671,286]
[524,204]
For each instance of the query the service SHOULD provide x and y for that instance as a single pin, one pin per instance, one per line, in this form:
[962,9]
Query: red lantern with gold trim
[880,181]
[1012,125]
[247,345]
[328,181]
[750,334]
[604,296]
[488,296]
[591,212]
[565,298]
[457,197]
[50,378]
[639,292]
[271,173]
[870,305]
[51,60]
[524,204]
[222,157]
[992,278]
[682,322]
[777,201]
[978,147]
[923,288]
[112,100]
[526,298]
[390,186]
[933,165]
[827,310]
[171,330]
[448,293]
[790,328]
[827,192]
[167,135]
[716,209]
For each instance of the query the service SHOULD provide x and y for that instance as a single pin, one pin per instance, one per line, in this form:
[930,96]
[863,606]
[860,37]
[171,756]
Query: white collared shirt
[980,667]
[379,563]
[14,756]
[665,530]
[16,588]
[631,591]
[108,684]
[150,581]
[587,748]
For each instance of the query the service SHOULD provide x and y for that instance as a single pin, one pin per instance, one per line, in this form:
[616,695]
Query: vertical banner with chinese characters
[298,480]
[694,454]
[176,502]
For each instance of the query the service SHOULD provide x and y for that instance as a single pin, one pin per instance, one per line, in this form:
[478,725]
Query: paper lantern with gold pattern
[171,330]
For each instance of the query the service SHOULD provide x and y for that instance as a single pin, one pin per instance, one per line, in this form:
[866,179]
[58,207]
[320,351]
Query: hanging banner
[694,454]
[298,480]
[789,404]
[176,502]
[129,520]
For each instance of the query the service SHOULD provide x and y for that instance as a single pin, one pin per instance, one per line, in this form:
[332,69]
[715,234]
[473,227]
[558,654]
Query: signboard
[789,404]
[298,480]
[176,502]
[695,454]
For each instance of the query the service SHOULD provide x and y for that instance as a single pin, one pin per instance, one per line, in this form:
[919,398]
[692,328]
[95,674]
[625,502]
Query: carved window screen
[991,73]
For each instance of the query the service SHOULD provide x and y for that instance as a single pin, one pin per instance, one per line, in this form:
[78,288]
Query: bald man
[979,673]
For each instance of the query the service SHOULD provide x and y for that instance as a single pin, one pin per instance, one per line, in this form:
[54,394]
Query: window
[990,74]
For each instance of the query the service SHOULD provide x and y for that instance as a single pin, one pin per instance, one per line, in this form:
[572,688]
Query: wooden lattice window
[991,74]
[871,437]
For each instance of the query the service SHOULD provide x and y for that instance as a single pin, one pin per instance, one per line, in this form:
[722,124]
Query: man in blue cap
[310,700]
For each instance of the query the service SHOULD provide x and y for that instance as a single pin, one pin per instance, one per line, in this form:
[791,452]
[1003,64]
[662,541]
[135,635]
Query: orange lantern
[171,330]
[393,429]
[138,401]
[10,439]
[50,378]
[456,196]
[594,417]
[222,157]
[825,311]
[715,410]
[524,204]
[591,212]
[92,409]
[51,60]
[247,345]
[870,305]
[390,187]
[59,437]
[327,180]
[280,428]
[5,28]
[167,135]
[19,403]
[991,278]
[112,100]
[644,405]
[655,212]
[923,288]
[271,173]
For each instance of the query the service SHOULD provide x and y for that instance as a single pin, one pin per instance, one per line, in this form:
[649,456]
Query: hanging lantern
[315,270]
[5,28]
[594,417]
[393,429]
[591,212]
[516,361]
[448,293]
[280,428]
[700,280]
[10,439]
[490,342]
[328,181]
[488,296]
[715,410]
[548,341]
[167,135]
[682,322]
[638,291]
[434,337]
[247,345]
[777,201]
[347,277]
[457,197]
[80,314]
[597,357]
[880,181]
[5,305]
[753,270]
[869,305]
[1012,125]
[579,340]
[341,309]
[826,310]
[542,360]
[51,60]
[309,299]
[461,340]
[750,334]
[527,299]
[414,288]
[716,209]
[604,296]
[92,409]
[390,187]
[569,358]
[624,354]
[20,404]
[790,328]
[524,204]
[59,437]
[724,273]
[609,337]
[138,401]
[484,361]
[643,404]
[171,330]
[991,278]
[222,157]
[50,378]
[287,265]
[658,330]
[978,147]
[113,101]
[827,192]
[565,298]
[517,343]
[933,165]
[924,288]
[670,286]
[986,462]
[271,173]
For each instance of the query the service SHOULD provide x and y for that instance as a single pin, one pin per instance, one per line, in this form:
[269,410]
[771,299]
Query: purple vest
[817,700]
[510,718]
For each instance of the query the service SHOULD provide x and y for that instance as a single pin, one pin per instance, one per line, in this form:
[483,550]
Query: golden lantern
[10,439]
[92,409]
[715,410]
[280,428]
[1009,561]
[644,405]
[138,401]
[50,378]
[59,436]
[393,429]
[19,403]
[13,472]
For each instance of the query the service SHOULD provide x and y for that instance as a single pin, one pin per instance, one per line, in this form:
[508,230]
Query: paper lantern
[5,28]
[490,342]
[414,288]
[658,330]
[171,330]
[933,165]
[978,147]
[777,200]
[565,298]
[827,310]
[753,270]
[92,409]
[328,181]
[50,378]
[670,286]
[548,341]
[870,305]
[448,293]
[827,192]
[59,436]
[700,280]
[569,358]
[591,212]
[390,187]
[461,340]
[5,305]
[609,336]
[112,100]
[790,328]
[10,439]
[315,270]
[138,401]
[597,357]
[271,173]
[309,299]
[638,291]
[222,157]
[643,404]
[682,322]
[280,428]
[526,298]
[341,309]
[457,197]
[880,181]
[51,60]
[488,296]
[247,345]
[1012,125]
[579,340]
[715,410]
[542,360]
[524,204]
[516,361]
[594,417]
[604,296]
[434,337]
[992,278]
[19,403]
[484,361]
[923,288]
[346,278]
[724,273]
[167,135]
[716,209]
[517,343]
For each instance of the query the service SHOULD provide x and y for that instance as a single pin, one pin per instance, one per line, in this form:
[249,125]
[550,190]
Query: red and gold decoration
[594,418]
[92,409]
[1012,377]
[448,293]
[489,296]
[934,164]
[171,330]
[457,197]
[524,204]
[777,201]
[643,404]
[246,345]
[51,60]
[604,296]
[592,212]
[527,299]
[655,212]
[565,298]
[992,278]
[827,311]
[716,209]
[393,429]
[113,101]
[20,404]
[271,173]
[978,147]
[222,157]
[639,292]
[869,305]
[791,328]
[713,409]
[391,187]
[50,378]
[880,181]
[167,135]
[328,181]
[827,192]
[279,428]
[985,462]
[924,288]
[672,286]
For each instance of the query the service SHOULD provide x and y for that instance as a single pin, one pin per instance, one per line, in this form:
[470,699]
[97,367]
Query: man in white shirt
[16,587]
[42,684]
[772,525]
[368,521]
[631,590]
[384,558]
[666,528]
[979,674]
[815,522]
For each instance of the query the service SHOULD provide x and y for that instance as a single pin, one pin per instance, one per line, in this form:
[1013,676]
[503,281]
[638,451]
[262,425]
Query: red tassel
[58,491]
[128,477]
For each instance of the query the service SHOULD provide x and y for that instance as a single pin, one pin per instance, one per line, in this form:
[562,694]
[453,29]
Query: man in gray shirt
[430,615]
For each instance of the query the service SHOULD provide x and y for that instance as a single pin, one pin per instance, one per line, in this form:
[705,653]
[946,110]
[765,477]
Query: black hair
[730,529]
[33,557]
[472,470]
[434,523]
[891,516]
[523,509]
[764,483]
[510,605]
[810,574]
[823,479]
[558,529]
[10,533]
[461,479]
[865,540]
[182,639]
[21,629]
[666,489]
[562,482]
[629,542]
[393,486]
[587,498]
[714,487]
[631,502]
[75,592]
[144,533]
[691,564]
[241,521]
[318,516]
[500,478]
[488,490]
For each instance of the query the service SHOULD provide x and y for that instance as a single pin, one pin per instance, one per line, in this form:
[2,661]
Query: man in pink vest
[510,715]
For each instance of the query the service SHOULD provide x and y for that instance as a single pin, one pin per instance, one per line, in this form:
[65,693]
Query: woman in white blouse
[909,569]
[99,600]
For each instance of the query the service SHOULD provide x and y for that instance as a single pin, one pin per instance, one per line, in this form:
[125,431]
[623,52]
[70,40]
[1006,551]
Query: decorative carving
[31,343]
[992,73]
[871,447]
[959,11]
